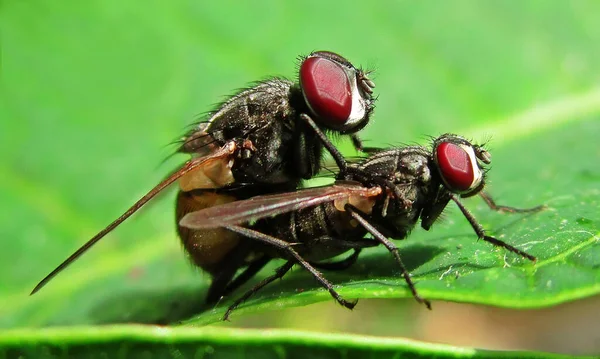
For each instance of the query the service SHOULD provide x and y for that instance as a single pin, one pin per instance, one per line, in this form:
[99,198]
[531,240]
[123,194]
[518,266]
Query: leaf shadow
[368,268]
[144,306]
[172,305]
[164,306]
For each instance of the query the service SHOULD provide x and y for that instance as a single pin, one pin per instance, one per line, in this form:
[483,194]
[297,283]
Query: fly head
[336,92]
[460,164]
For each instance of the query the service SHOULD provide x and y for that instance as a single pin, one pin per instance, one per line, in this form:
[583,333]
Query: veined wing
[217,155]
[238,212]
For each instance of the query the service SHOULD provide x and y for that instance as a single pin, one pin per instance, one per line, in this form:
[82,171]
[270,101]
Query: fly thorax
[413,168]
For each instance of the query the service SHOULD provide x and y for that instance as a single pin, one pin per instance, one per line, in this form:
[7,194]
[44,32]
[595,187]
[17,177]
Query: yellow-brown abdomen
[205,247]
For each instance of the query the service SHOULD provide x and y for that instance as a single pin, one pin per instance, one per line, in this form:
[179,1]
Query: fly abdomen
[317,230]
[206,247]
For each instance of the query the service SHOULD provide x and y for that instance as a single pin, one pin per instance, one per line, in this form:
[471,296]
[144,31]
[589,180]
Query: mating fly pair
[238,207]
[265,139]
[383,196]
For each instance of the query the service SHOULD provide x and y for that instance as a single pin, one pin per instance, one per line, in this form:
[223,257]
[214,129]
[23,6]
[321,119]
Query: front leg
[478,228]
[495,207]
[359,146]
[335,153]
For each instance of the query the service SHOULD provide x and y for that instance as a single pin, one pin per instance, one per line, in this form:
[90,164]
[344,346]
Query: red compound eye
[327,89]
[455,167]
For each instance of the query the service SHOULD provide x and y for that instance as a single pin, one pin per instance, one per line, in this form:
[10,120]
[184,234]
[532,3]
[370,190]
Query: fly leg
[228,267]
[256,266]
[248,273]
[492,204]
[279,273]
[358,216]
[288,249]
[335,153]
[478,228]
[359,146]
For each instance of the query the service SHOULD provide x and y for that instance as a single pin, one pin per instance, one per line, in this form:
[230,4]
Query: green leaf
[156,342]
[91,92]
[450,264]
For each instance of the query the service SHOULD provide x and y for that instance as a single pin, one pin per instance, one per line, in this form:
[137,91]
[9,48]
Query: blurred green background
[92,93]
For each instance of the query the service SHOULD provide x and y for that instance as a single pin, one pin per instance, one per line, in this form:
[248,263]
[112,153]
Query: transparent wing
[238,212]
[217,155]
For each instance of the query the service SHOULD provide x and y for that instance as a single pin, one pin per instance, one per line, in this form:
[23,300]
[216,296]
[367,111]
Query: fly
[383,196]
[267,138]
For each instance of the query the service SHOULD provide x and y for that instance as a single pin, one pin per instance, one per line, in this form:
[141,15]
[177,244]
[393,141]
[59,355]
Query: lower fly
[381,197]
